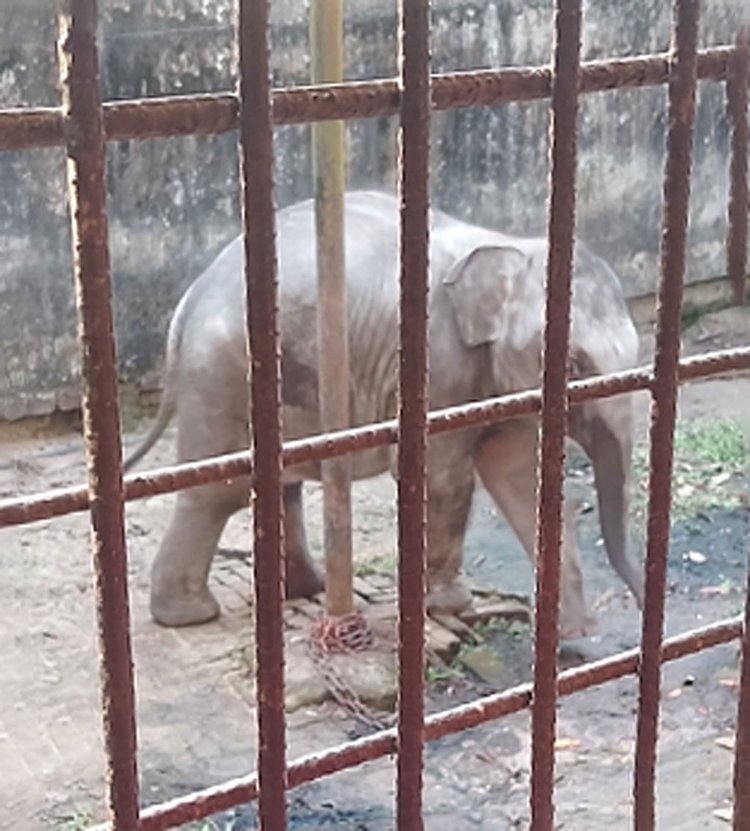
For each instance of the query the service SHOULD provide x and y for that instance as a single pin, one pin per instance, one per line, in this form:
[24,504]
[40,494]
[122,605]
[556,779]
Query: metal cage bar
[61,501]
[84,125]
[414,45]
[256,158]
[682,85]
[741,777]
[377,745]
[737,214]
[86,150]
[554,417]
[160,117]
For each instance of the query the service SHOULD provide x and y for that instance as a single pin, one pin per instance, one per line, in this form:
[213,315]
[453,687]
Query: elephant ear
[478,287]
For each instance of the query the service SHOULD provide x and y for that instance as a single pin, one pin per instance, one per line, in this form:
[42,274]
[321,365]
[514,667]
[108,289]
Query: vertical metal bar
[256,162]
[414,37]
[84,136]
[554,419]
[737,103]
[327,66]
[741,812]
[664,402]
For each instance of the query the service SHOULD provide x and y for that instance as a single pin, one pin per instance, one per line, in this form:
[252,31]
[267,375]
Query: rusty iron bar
[737,105]
[741,773]
[47,504]
[200,804]
[256,175]
[87,192]
[414,60]
[553,424]
[682,85]
[180,115]
[329,172]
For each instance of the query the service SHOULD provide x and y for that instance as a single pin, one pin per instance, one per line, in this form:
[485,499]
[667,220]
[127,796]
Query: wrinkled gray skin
[486,314]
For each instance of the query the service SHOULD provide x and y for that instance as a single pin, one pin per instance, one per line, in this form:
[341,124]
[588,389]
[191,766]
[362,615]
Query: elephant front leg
[302,578]
[506,462]
[179,578]
[450,485]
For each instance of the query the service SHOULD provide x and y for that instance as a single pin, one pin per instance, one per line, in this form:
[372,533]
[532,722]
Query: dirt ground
[196,723]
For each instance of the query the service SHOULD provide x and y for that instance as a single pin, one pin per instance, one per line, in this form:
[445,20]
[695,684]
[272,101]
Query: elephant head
[497,293]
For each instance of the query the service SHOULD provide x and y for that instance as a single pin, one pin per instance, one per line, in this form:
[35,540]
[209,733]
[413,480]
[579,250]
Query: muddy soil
[194,698]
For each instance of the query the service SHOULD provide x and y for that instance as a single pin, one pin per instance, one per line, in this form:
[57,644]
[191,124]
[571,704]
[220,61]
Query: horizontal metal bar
[181,115]
[24,509]
[201,804]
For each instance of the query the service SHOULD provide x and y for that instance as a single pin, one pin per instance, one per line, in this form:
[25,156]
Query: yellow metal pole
[329,167]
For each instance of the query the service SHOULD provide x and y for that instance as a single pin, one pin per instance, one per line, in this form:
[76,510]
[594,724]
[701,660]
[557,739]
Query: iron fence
[83,124]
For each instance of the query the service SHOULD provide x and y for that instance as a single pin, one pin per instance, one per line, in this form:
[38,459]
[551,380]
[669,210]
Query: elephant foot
[302,579]
[186,610]
[573,627]
[449,598]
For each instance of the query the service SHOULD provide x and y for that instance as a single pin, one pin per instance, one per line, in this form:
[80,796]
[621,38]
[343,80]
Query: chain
[347,634]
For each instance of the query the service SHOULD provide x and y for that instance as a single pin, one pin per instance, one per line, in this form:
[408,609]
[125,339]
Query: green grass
[692,314]
[710,468]
[382,564]
[77,821]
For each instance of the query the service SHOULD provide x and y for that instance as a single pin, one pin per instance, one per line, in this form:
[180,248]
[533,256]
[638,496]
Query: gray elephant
[486,316]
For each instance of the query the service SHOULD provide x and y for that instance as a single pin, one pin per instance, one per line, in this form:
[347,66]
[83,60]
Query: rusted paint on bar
[741,777]
[256,167]
[737,106]
[214,114]
[86,150]
[414,58]
[554,419]
[48,504]
[664,405]
[316,765]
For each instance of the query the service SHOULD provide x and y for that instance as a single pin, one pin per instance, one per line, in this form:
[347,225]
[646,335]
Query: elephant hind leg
[179,577]
[506,462]
[302,578]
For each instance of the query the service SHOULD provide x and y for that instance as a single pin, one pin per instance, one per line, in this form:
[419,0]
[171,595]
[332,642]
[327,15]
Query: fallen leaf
[727,742]
[675,693]
[567,744]
[724,814]
[721,479]
[712,591]
[604,599]
[696,557]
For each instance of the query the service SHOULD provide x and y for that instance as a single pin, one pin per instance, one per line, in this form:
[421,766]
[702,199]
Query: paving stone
[485,663]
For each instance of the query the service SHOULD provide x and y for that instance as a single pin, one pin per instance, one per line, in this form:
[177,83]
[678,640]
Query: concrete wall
[173,203]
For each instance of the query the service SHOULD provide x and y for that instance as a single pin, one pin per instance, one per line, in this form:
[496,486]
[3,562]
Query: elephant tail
[168,403]
[167,407]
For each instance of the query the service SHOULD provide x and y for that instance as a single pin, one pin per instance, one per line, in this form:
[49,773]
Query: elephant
[486,314]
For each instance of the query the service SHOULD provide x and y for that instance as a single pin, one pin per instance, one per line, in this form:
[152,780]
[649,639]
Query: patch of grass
[203,825]
[691,314]
[437,674]
[77,821]
[384,564]
[715,443]
[710,466]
